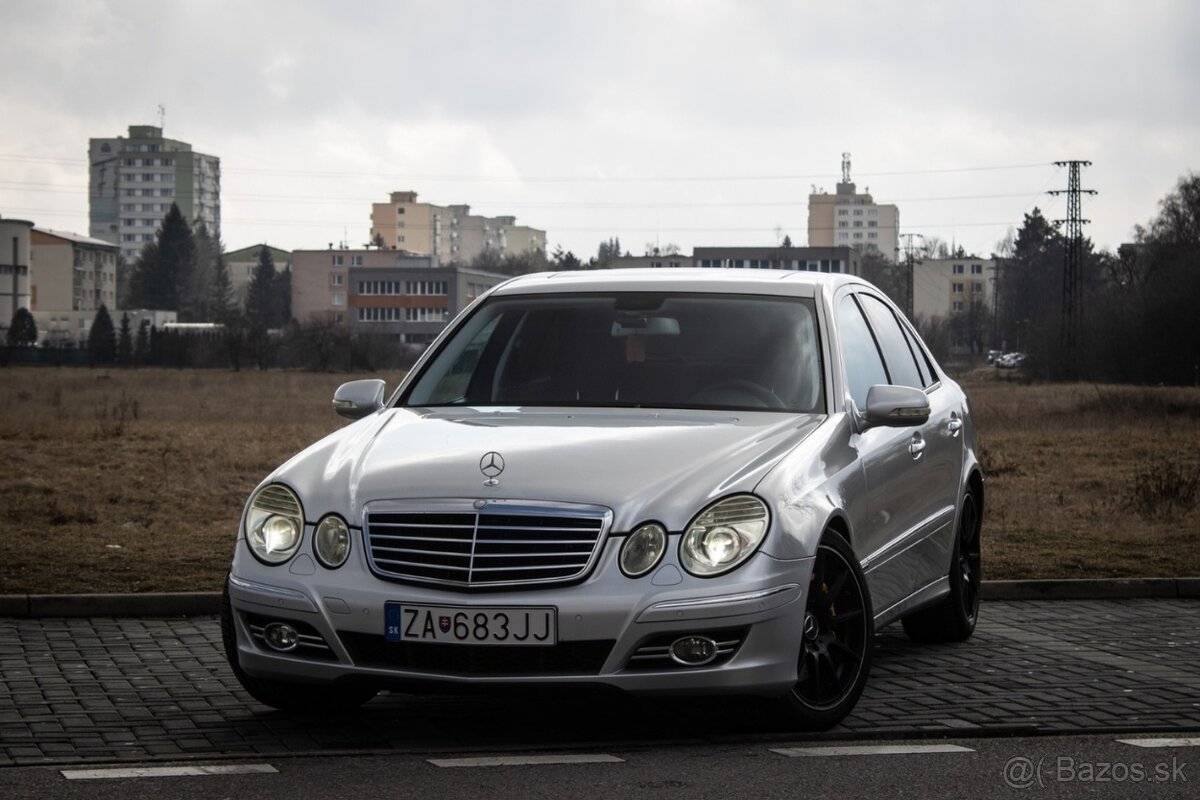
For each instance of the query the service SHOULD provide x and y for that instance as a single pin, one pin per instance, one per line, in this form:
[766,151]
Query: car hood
[643,464]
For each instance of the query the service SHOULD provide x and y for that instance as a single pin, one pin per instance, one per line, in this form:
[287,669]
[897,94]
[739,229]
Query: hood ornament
[491,465]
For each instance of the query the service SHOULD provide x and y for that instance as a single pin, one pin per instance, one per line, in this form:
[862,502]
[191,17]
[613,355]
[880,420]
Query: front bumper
[612,631]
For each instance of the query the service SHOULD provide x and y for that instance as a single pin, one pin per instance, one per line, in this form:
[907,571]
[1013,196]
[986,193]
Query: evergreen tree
[195,297]
[163,273]
[125,343]
[220,298]
[23,329]
[1030,302]
[141,346]
[609,249]
[102,339]
[787,241]
[259,303]
[281,298]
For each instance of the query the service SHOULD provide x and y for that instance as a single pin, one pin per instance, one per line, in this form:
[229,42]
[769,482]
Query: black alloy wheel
[969,561]
[836,639]
[953,618]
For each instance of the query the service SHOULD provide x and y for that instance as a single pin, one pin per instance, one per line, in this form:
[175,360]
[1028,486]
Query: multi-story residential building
[805,259]
[14,268]
[405,297]
[242,264]
[448,234]
[71,276]
[851,219]
[133,181]
[946,287]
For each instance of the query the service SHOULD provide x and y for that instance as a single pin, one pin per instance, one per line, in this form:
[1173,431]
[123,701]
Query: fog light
[693,651]
[281,636]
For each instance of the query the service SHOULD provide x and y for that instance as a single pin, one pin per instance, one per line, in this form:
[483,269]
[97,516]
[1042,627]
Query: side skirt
[927,595]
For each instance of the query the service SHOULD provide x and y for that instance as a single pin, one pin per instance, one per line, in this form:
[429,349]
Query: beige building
[71,277]
[448,234]
[946,287]
[242,264]
[133,181]
[14,268]
[851,219]
[386,292]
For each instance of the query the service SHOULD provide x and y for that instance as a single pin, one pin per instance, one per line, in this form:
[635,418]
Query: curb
[206,604]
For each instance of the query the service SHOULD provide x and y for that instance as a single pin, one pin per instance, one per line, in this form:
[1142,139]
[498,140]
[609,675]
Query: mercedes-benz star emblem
[491,465]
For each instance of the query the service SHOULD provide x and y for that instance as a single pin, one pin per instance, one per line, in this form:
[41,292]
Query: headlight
[724,535]
[643,549]
[331,542]
[274,523]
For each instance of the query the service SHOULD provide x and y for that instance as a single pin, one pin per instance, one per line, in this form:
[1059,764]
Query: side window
[902,367]
[928,373]
[864,367]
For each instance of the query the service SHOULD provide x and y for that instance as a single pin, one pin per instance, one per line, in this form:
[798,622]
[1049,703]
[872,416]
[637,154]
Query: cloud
[305,101]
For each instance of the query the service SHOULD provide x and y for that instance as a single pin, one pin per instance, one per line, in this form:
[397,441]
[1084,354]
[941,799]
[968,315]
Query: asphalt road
[1044,767]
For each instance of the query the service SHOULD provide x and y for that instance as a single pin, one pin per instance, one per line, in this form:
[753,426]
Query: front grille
[510,545]
[564,658]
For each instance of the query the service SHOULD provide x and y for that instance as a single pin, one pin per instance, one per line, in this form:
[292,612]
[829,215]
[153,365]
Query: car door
[910,472]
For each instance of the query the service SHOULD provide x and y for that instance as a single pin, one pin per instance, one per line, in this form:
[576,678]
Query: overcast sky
[693,123]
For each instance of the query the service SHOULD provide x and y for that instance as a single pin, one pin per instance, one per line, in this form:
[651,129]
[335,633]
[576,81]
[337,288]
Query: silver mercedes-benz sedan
[664,481]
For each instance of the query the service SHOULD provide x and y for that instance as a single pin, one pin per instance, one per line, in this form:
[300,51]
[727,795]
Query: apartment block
[448,234]
[133,180]
[14,268]
[849,218]
[71,277]
[405,297]
[945,287]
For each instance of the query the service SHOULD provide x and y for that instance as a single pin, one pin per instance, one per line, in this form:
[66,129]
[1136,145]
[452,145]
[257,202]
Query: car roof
[646,279]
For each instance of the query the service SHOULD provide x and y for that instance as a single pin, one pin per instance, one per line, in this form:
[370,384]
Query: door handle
[916,446]
[955,424]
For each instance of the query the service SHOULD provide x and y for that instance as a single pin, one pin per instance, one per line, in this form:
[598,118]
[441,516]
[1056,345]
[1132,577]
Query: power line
[553,178]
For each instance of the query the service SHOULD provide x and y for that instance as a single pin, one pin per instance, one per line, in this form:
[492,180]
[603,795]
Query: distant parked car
[992,355]
[1010,360]
[664,481]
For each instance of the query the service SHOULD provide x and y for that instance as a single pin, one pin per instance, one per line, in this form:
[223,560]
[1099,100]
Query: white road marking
[870,750]
[522,761]
[166,772]
[1186,741]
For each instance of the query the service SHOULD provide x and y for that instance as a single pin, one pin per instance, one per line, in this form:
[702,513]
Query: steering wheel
[760,393]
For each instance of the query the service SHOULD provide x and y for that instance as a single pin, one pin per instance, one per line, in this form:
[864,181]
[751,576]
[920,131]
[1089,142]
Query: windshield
[630,350]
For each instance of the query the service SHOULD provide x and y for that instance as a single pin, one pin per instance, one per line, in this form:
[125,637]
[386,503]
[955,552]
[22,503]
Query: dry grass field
[133,481]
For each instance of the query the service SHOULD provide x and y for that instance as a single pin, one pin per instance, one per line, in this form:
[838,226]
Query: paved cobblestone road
[79,690]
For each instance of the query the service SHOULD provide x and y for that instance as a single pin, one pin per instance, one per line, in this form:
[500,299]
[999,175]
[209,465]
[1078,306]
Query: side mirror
[357,399]
[896,406]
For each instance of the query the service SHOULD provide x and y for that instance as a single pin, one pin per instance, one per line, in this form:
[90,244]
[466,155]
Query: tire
[835,642]
[303,698]
[953,618]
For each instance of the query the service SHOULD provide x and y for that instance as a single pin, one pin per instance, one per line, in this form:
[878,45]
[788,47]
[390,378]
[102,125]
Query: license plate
[461,625]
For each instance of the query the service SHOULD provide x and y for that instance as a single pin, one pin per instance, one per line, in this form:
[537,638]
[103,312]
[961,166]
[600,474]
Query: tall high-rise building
[133,181]
[851,219]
